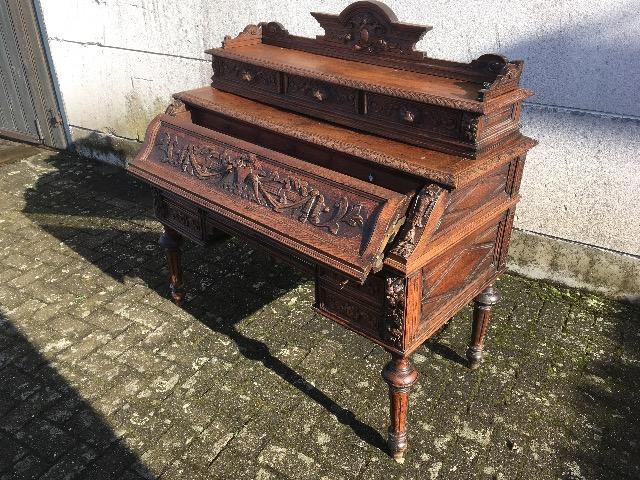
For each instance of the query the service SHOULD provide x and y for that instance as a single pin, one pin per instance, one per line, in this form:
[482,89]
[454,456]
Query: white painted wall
[118,61]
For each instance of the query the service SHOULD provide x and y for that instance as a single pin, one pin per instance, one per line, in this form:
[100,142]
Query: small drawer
[404,113]
[252,76]
[370,292]
[184,218]
[350,311]
[321,94]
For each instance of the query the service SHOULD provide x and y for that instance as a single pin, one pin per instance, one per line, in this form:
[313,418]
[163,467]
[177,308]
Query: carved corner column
[482,309]
[400,375]
[171,241]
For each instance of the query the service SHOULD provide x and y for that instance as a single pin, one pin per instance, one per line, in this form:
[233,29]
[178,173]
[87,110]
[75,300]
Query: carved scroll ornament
[250,35]
[175,107]
[242,174]
[421,210]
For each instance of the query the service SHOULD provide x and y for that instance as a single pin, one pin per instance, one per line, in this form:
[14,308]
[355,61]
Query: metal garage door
[28,107]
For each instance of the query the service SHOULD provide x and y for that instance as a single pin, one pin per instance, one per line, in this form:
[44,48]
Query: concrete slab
[12,151]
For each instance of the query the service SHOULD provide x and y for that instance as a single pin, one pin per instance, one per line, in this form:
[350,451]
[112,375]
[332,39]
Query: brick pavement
[101,377]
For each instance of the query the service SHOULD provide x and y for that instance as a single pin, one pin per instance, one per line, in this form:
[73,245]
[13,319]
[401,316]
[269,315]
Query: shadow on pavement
[105,215]
[48,429]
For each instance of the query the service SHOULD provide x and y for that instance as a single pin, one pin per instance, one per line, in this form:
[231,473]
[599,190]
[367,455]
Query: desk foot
[171,241]
[400,375]
[482,309]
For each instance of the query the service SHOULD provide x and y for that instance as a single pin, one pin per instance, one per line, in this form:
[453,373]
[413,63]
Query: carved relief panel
[299,208]
[244,175]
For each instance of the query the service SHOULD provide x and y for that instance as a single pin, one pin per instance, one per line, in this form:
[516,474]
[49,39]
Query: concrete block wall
[118,61]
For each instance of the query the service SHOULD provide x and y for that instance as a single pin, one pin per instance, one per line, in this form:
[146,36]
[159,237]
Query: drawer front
[249,76]
[285,203]
[374,309]
[181,216]
[323,95]
[359,307]
[370,293]
[418,118]
[436,127]
[348,311]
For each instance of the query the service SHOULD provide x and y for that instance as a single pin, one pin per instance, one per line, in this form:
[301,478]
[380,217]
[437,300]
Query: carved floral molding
[395,299]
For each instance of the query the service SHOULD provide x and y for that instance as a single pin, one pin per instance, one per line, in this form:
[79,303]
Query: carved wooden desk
[389,176]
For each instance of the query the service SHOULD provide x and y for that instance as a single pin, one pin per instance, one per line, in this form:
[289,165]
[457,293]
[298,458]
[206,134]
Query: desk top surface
[447,169]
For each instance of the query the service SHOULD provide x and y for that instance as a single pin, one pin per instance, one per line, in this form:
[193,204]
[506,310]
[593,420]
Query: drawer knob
[318,94]
[246,76]
[408,116]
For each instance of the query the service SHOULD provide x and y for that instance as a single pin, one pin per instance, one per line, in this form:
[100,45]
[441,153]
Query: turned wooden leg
[482,306]
[172,242]
[400,375]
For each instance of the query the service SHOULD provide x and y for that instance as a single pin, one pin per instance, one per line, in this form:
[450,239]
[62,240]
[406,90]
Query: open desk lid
[282,202]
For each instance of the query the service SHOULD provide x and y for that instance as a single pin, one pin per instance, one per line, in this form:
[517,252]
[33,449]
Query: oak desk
[390,176]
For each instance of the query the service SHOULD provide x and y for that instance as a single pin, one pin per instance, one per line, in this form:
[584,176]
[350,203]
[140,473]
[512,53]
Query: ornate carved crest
[421,210]
[371,28]
[274,29]
[369,31]
[242,174]
[395,299]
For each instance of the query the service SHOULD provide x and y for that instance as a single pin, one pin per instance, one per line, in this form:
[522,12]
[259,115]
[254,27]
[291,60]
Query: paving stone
[88,426]
[27,468]
[107,321]
[111,463]
[28,409]
[89,344]
[60,412]
[48,440]
[72,465]
[11,451]
[179,470]
[103,377]
[286,459]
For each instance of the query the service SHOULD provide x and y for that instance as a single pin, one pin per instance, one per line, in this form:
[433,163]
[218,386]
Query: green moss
[113,147]
[137,117]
